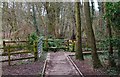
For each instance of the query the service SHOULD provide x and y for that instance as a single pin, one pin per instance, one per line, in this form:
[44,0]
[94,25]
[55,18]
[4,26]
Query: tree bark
[109,34]
[91,36]
[79,54]
[34,20]
[110,49]
[50,9]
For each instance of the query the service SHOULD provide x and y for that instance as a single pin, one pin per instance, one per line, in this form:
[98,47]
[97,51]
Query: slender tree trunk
[101,12]
[95,58]
[111,59]
[109,33]
[51,18]
[92,3]
[3,19]
[34,19]
[79,54]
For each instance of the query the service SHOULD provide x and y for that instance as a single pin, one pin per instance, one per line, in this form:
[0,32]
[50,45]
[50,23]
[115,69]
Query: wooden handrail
[9,50]
[17,59]
[13,41]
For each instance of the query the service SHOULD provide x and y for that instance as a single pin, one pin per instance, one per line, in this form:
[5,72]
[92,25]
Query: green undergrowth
[104,58]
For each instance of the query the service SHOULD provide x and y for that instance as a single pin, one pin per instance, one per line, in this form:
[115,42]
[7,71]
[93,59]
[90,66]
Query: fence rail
[8,51]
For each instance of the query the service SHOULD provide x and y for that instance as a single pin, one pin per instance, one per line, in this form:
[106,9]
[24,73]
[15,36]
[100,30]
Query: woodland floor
[57,65]
[34,68]
[23,68]
[86,68]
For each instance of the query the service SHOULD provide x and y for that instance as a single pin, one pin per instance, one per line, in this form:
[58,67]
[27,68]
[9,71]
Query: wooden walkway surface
[58,65]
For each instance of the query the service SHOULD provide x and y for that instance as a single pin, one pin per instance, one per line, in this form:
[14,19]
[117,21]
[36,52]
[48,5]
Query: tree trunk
[95,58]
[109,34]
[34,20]
[111,59]
[51,18]
[79,54]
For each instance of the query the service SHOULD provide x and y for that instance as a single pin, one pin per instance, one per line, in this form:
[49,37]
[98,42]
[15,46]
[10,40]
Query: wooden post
[4,46]
[46,43]
[68,44]
[9,55]
[73,46]
[35,51]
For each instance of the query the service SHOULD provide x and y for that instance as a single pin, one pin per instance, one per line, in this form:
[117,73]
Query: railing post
[9,55]
[35,51]
[4,46]
[46,43]
[73,46]
[68,44]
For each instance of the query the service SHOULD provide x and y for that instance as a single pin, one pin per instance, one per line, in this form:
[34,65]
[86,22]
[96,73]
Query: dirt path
[57,64]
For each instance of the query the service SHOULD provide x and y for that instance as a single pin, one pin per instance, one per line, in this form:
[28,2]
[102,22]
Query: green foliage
[58,43]
[112,71]
[71,47]
[55,43]
[44,47]
[103,44]
[115,43]
[32,38]
[116,55]
[52,44]
[113,13]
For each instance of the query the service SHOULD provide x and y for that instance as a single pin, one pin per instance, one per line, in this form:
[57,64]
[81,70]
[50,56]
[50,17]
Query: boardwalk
[58,65]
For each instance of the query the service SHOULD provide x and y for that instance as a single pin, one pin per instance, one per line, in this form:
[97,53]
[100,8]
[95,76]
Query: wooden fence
[9,50]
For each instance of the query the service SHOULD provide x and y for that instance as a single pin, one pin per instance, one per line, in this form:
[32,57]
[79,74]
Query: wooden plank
[89,52]
[5,54]
[71,61]
[56,39]
[13,47]
[17,59]
[4,46]
[20,53]
[44,67]
[58,48]
[14,41]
